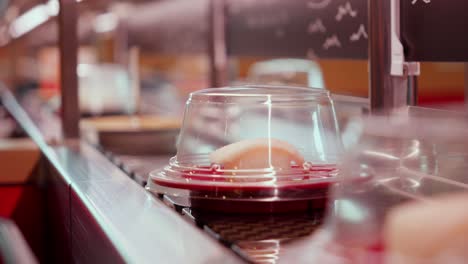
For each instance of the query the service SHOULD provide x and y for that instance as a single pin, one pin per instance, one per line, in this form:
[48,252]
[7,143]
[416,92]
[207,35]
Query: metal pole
[217,43]
[413,90]
[386,92]
[68,43]
[121,46]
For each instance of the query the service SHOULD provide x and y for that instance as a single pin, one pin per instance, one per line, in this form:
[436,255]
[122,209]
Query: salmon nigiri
[257,154]
[428,232]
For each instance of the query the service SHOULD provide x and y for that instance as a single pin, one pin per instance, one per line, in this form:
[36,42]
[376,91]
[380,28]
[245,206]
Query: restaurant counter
[98,213]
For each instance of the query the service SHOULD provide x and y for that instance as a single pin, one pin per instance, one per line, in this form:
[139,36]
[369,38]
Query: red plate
[214,193]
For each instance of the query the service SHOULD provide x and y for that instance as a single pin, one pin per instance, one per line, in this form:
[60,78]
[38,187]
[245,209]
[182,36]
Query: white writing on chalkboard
[345,10]
[316,26]
[318,4]
[330,42]
[425,1]
[361,33]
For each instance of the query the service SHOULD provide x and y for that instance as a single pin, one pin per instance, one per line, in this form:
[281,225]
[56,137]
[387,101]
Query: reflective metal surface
[417,111]
[141,228]
[98,213]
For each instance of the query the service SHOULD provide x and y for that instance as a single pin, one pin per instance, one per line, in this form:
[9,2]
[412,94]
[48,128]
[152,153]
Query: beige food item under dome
[428,232]
[257,154]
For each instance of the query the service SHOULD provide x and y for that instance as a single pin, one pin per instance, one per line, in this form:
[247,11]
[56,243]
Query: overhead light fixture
[53,7]
[33,18]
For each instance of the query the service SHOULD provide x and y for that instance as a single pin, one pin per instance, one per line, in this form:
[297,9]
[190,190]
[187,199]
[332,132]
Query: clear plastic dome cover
[254,143]
[401,195]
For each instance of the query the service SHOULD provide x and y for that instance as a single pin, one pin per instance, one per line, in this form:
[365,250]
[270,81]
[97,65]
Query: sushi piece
[428,232]
[257,154]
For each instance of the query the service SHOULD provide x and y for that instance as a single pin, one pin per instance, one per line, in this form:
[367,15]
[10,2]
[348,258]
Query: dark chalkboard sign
[297,28]
[431,30]
[435,30]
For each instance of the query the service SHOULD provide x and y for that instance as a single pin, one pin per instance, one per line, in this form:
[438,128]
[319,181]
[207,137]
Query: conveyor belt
[256,238]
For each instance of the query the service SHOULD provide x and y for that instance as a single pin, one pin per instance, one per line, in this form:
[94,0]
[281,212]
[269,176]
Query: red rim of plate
[207,185]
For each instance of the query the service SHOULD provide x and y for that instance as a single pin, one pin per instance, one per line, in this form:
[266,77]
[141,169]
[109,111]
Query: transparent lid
[259,137]
[402,193]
